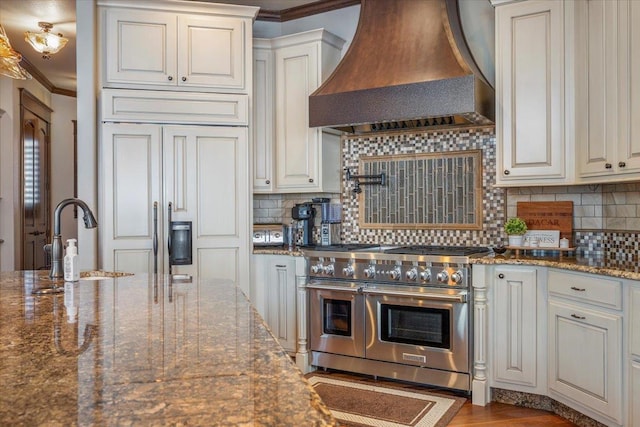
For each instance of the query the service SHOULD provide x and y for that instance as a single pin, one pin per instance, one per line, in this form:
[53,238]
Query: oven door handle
[357,290]
[461,298]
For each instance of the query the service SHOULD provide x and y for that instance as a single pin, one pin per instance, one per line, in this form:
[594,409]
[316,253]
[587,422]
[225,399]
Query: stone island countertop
[137,350]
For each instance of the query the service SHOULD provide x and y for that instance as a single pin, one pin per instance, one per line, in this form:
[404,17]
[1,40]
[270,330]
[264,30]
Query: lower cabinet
[274,296]
[585,344]
[519,343]
[634,358]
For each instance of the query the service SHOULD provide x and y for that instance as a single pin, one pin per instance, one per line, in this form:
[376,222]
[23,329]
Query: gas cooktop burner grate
[438,250]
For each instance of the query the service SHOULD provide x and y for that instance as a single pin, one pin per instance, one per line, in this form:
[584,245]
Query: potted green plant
[515,228]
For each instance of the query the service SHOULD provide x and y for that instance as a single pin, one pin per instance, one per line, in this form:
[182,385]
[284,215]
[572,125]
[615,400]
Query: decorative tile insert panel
[429,190]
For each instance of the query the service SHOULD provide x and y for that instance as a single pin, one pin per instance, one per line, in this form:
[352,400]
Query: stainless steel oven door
[428,329]
[336,319]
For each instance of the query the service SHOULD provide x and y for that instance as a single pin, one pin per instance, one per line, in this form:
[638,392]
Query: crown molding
[44,81]
[303,11]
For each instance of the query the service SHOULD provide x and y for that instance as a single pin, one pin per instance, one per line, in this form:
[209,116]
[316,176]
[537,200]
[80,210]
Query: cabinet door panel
[530,82]
[281,294]
[634,400]
[297,144]
[516,332]
[598,133]
[629,148]
[585,351]
[206,175]
[131,175]
[263,116]
[140,47]
[211,52]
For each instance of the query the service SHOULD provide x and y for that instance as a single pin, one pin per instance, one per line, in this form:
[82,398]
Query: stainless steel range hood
[408,66]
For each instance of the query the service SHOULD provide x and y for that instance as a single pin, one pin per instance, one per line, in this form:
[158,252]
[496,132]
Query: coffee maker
[305,214]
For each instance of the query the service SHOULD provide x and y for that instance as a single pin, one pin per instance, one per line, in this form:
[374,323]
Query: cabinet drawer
[147,106]
[592,289]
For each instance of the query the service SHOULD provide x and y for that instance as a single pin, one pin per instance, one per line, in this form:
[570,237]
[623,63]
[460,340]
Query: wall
[62,160]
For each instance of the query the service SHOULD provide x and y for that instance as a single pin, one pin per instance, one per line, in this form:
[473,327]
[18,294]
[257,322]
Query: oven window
[415,325]
[337,317]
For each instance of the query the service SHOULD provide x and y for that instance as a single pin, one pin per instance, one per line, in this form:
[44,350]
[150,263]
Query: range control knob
[348,271]
[443,276]
[425,275]
[412,274]
[395,274]
[316,269]
[328,269]
[370,272]
[457,277]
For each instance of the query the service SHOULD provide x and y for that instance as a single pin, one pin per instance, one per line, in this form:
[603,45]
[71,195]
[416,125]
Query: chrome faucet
[56,244]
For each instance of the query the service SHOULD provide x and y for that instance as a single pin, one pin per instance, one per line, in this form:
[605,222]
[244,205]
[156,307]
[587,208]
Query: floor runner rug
[362,403]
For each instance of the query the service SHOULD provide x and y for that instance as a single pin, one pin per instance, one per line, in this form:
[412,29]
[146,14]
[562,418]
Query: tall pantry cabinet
[174,139]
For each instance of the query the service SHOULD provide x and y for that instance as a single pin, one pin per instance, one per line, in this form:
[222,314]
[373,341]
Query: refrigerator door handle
[155,237]
[169,234]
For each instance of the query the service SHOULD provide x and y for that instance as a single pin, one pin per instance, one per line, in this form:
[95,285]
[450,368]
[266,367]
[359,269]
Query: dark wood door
[35,189]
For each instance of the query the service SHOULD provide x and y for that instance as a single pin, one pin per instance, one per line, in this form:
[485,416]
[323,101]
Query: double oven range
[394,312]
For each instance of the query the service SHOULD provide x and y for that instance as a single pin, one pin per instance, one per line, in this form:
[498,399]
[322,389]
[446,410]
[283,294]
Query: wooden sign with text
[548,216]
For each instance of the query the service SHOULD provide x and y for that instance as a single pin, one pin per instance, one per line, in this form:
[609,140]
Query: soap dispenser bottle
[71,268]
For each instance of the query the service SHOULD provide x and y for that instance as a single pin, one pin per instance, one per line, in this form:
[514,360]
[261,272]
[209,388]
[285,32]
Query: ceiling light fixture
[10,59]
[45,42]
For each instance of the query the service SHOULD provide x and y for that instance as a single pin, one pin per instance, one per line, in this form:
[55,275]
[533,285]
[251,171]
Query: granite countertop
[139,351]
[594,265]
[277,250]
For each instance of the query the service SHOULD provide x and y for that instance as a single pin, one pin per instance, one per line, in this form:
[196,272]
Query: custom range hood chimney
[408,66]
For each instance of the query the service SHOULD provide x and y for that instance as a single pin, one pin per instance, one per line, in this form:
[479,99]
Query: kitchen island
[143,350]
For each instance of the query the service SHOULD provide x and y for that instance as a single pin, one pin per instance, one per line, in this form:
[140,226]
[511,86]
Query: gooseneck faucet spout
[56,244]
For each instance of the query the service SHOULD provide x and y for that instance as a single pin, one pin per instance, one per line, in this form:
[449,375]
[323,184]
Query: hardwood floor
[494,414]
[500,414]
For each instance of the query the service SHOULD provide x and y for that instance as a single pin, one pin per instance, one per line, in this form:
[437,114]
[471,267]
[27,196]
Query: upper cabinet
[199,50]
[568,92]
[289,155]
[533,59]
[608,75]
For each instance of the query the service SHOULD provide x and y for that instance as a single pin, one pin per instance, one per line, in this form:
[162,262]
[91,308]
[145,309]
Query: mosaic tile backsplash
[360,148]
[606,217]
[435,190]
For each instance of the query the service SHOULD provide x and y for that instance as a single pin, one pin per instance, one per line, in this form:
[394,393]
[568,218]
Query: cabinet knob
[507,172]
[575,288]
[310,179]
[575,316]
[608,165]
[500,276]
[622,164]
[268,182]
[184,79]
[170,78]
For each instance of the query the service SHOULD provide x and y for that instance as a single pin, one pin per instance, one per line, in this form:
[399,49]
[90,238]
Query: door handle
[36,233]
[155,237]
[169,234]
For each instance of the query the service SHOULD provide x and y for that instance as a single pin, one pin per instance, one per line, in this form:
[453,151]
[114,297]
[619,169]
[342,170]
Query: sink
[102,275]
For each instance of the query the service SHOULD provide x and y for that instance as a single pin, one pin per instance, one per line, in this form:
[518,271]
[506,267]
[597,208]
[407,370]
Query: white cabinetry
[608,75]
[199,170]
[263,117]
[203,49]
[274,296]
[533,90]
[585,343]
[634,357]
[291,156]
[519,329]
